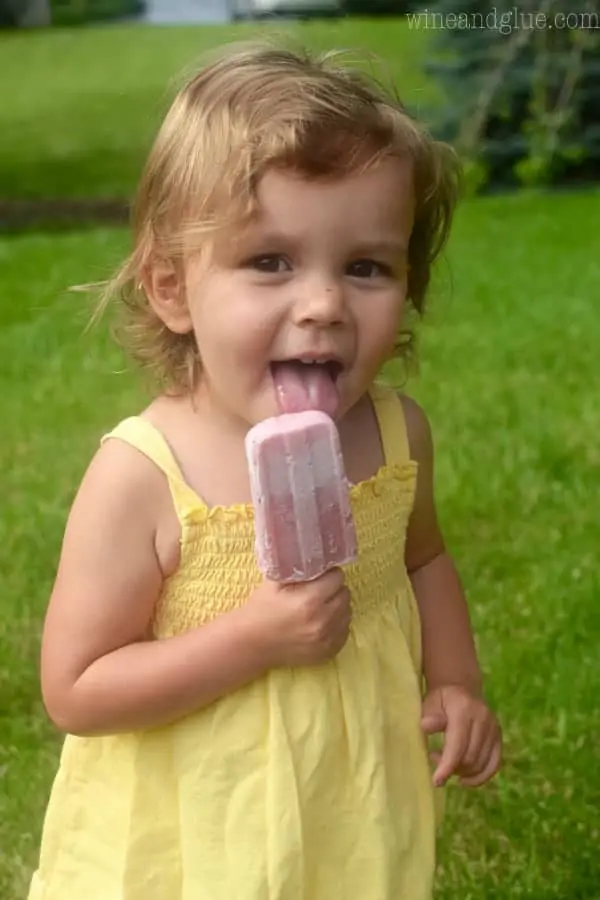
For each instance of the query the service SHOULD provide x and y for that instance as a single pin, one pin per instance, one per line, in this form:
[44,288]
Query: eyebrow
[256,235]
[391,246]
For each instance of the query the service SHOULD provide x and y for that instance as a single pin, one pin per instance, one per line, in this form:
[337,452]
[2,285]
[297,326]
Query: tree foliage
[77,12]
[377,7]
[521,86]
[25,13]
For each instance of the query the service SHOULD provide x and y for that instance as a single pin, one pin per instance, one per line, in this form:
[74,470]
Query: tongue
[300,387]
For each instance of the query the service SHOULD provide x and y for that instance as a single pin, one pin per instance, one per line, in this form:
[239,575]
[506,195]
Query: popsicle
[303,518]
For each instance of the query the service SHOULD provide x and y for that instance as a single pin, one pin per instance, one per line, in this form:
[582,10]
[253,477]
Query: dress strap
[392,424]
[146,437]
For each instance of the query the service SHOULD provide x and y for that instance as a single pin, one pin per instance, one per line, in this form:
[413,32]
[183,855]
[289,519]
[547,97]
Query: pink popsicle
[304,522]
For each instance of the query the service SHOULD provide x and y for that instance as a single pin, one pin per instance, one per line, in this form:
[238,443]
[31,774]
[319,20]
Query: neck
[216,416]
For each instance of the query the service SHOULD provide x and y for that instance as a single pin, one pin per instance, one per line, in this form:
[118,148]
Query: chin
[349,397]
[266,408]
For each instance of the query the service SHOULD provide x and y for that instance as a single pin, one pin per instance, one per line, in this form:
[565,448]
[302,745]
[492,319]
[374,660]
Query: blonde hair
[253,107]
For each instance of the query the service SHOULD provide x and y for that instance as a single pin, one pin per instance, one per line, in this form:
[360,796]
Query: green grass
[83,104]
[509,377]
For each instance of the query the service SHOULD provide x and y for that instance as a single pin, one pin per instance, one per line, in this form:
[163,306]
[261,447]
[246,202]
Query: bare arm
[100,671]
[449,655]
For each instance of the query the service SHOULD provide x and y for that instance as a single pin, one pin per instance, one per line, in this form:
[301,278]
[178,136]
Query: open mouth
[302,384]
[332,367]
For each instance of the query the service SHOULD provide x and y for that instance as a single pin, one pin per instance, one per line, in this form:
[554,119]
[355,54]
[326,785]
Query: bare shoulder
[125,491]
[115,513]
[119,489]
[417,427]
[109,576]
[121,476]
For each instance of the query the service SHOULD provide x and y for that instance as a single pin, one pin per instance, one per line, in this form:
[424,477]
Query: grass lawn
[84,127]
[509,363]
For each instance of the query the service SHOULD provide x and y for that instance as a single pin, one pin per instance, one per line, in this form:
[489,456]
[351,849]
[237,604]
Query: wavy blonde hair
[251,107]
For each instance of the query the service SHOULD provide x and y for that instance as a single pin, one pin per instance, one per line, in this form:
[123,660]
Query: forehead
[380,197]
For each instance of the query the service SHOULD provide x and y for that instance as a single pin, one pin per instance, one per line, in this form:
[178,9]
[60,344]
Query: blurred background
[508,366]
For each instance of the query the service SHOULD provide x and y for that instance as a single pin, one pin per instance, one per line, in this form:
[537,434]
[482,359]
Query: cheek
[381,322]
[253,340]
[234,331]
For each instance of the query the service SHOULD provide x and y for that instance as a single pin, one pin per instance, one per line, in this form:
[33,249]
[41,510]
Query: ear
[164,286]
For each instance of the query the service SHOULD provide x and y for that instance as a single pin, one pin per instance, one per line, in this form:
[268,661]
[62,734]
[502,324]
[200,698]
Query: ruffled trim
[405,473]
[243,512]
[218,567]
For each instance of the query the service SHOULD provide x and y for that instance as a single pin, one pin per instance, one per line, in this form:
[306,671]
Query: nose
[320,301]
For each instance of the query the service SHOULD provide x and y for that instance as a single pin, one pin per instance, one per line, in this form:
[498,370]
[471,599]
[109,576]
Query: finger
[343,623]
[458,733]
[330,583]
[488,771]
[340,614]
[343,596]
[339,638]
[479,741]
[337,602]
[472,766]
[339,607]
[433,723]
[475,766]
[435,757]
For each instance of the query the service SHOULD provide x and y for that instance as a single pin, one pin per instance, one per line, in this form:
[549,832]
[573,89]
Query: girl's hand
[301,624]
[472,738]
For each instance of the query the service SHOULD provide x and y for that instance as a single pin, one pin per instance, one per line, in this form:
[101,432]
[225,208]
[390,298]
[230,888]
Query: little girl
[231,738]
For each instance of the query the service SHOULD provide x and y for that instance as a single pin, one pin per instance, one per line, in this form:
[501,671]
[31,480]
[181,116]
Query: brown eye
[369,268]
[272,263]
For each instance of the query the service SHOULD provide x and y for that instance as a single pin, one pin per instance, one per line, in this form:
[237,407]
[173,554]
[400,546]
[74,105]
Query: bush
[78,12]
[23,12]
[72,12]
[7,14]
[522,92]
[377,7]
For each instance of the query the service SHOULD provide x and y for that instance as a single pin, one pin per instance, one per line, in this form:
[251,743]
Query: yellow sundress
[307,784]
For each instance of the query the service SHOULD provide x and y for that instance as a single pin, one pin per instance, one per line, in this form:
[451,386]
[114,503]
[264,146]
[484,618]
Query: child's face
[320,273]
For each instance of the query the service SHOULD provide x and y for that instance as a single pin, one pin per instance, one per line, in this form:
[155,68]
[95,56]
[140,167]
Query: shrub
[78,12]
[377,7]
[522,88]
[24,12]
